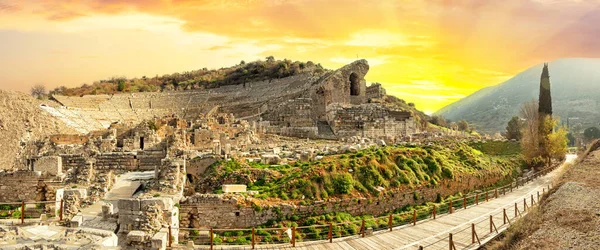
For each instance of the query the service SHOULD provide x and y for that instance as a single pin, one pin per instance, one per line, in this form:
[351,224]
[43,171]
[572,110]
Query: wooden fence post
[538,194]
[62,202]
[330,233]
[524,204]
[362,228]
[390,222]
[434,212]
[253,238]
[516,210]
[472,233]
[496,193]
[451,242]
[492,224]
[212,238]
[414,217]
[464,202]
[532,201]
[170,237]
[486,195]
[477,199]
[293,236]
[22,212]
[450,208]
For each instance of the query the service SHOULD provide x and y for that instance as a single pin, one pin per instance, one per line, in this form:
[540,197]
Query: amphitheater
[303,105]
[127,176]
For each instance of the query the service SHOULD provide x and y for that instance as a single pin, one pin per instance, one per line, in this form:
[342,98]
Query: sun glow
[430,53]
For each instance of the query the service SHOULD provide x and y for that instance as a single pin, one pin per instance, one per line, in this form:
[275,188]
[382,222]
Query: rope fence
[464,238]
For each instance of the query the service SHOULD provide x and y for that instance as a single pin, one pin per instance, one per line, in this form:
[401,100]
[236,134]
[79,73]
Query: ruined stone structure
[293,106]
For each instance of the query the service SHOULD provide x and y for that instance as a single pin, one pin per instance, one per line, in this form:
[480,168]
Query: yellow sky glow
[430,52]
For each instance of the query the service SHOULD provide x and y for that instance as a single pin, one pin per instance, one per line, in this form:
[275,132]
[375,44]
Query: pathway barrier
[468,237]
[19,211]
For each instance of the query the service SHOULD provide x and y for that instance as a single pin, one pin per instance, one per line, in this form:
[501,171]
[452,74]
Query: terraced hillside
[21,120]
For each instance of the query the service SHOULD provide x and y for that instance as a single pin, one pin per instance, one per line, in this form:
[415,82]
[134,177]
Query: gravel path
[571,216]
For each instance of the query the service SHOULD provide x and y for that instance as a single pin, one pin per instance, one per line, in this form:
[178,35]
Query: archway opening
[354,84]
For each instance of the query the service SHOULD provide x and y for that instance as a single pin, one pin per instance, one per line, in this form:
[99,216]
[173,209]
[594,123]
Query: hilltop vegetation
[197,79]
[366,172]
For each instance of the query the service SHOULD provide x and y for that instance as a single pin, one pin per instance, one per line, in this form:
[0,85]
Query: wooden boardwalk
[434,233]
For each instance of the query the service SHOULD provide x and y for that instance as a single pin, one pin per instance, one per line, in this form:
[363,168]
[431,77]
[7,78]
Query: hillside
[22,120]
[366,172]
[197,79]
[575,86]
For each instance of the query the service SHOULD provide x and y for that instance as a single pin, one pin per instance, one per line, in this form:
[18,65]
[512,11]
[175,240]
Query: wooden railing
[9,209]
[286,236]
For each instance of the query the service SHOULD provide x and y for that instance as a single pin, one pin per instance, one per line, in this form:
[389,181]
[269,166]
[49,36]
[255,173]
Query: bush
[343,183]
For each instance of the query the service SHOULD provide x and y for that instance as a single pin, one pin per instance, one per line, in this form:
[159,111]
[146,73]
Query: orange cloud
[430,52]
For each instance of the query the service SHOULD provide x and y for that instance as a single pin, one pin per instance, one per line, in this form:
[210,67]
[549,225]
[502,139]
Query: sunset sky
[430,52]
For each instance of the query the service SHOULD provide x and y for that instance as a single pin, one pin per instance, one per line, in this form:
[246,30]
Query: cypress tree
[544,112]
[545,105]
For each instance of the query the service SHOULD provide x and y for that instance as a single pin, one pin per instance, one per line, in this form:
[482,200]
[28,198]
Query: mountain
[575,84]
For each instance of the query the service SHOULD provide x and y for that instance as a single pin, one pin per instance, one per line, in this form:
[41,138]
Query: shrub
[343,183]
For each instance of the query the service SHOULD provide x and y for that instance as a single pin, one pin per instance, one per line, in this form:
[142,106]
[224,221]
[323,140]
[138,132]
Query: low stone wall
[26,186]
[228,211]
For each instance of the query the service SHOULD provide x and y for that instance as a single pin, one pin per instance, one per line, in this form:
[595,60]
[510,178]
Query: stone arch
[354,84]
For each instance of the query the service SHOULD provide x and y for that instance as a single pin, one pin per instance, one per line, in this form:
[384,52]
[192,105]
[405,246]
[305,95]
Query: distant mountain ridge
[575,84]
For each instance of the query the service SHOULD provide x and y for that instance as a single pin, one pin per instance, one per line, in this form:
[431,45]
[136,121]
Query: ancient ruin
[170,140]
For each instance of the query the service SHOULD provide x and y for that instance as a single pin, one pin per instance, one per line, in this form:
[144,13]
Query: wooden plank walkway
[434,233]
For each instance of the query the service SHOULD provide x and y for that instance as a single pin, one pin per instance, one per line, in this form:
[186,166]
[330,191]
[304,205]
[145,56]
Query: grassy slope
[359,174]
[390,167]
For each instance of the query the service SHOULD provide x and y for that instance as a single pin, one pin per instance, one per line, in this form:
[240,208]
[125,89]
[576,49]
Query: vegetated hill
[21,120]
[361,174]
[197,79]
[575,84]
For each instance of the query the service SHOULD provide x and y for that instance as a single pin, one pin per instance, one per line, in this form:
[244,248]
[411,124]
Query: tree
[556,141]
[529,132]
[513,129]
[591,133]
[439,120]
[463,125]
[121,85]
[270,59]
[38,91]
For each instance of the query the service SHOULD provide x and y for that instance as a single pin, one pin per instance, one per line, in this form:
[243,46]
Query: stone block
[107,210]
[160,240]
[233,188]
[49,164]
[129,205]
[136,236]
[163,203]
[81,193]
[77,221]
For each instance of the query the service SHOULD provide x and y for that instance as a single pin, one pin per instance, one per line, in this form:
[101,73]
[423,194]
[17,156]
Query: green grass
[361,173]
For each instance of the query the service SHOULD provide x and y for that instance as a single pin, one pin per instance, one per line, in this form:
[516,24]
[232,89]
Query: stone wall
[370,120]
[228,211]
[69,139]
[48,165]
[27,186]
[375,91]
[147,214]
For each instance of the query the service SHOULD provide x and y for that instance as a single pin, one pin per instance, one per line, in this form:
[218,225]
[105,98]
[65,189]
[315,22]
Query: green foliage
[343,183]
[513,129]
[389,167]
[591,133]
[257,207]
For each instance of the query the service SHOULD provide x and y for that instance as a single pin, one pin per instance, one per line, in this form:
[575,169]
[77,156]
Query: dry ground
[568,219]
